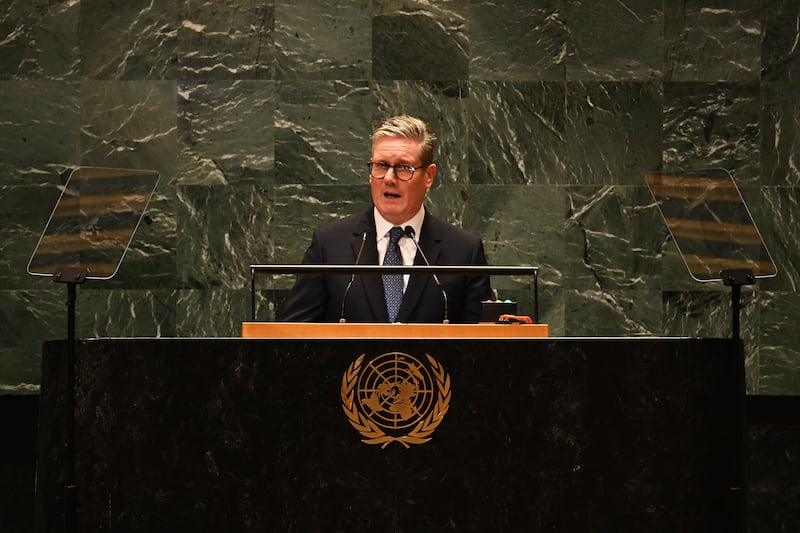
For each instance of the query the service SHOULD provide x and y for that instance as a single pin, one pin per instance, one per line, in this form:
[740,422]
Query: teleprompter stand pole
[72,276]
[735,278]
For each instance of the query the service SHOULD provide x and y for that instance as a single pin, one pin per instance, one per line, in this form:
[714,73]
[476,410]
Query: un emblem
[394,397]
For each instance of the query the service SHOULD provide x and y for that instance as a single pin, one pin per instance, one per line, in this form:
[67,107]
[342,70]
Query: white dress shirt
[407,247]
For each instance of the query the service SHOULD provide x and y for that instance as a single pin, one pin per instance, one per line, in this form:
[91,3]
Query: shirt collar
[382,226]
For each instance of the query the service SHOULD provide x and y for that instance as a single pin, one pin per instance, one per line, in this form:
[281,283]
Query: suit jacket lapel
[371,284]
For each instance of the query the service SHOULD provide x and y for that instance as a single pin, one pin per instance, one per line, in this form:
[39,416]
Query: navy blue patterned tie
[393,283]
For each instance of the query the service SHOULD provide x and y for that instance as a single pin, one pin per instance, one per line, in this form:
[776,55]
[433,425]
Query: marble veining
[257,117]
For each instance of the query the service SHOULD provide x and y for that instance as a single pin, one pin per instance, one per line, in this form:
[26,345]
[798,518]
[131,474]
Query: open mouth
[391,195]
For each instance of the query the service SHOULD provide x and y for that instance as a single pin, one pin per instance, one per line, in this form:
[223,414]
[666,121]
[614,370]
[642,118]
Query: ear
[430,175]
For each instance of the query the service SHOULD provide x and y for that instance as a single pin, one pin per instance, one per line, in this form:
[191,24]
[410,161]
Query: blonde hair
[408,127]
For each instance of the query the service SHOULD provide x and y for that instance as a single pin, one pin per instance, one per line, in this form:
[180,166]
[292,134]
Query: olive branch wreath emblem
[372,433]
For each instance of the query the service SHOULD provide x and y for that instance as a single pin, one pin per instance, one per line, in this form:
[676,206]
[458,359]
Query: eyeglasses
[402,172]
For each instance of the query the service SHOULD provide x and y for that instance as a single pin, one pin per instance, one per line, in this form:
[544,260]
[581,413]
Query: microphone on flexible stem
[410,233]
[353,276]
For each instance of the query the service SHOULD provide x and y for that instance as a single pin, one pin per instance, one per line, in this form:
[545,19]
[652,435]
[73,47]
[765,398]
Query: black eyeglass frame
[404,166]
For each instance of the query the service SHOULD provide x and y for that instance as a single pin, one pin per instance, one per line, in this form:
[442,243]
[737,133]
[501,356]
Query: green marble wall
[258,114]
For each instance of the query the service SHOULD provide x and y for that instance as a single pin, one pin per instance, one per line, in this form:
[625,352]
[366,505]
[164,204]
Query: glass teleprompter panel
[94,221]
[710,223]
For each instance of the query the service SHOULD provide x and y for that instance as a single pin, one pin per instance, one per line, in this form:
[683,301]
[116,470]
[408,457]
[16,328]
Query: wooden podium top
[316,330]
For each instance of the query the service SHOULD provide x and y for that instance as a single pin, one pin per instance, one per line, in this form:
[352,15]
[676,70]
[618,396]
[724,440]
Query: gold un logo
[394,397]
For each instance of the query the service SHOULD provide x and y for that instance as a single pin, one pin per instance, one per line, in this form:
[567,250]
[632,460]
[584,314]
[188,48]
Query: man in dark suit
[401,172]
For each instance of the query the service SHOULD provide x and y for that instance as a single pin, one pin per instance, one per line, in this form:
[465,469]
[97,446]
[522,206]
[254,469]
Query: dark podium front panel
[537,435]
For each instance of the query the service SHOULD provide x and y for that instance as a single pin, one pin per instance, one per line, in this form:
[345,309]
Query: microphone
[353,276]
[409,231]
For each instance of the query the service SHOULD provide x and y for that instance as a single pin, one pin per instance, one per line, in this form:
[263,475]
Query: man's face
[397,201]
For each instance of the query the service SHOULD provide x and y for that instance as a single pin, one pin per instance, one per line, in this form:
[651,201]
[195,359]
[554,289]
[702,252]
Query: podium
[254,434]
[351,330]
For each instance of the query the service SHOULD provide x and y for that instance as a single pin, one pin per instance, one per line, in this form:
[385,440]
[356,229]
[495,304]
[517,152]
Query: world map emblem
[395,397]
